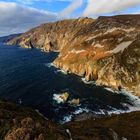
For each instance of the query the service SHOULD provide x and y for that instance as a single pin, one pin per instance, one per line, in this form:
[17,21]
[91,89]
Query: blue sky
[54,5]
[59,5]
[21,15]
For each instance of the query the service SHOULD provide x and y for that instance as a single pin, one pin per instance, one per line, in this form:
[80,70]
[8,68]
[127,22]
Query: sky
[17,16]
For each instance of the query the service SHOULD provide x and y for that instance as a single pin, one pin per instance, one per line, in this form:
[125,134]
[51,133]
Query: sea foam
[57,98]
[87,82]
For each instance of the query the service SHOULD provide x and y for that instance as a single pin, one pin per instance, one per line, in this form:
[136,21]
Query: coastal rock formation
[75,102]
[61,98]
[20,123]
[106,50]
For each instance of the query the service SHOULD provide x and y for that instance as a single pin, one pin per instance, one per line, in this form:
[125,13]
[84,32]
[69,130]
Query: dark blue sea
[27,78]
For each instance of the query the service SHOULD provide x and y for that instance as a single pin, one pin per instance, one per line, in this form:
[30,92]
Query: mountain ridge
[106,49]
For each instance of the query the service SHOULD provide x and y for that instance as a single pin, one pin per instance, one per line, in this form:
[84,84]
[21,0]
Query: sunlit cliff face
[106,49]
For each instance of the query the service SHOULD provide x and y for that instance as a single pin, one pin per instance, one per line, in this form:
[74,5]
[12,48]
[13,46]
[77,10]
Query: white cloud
[99,7]
[71,8]
[16,18]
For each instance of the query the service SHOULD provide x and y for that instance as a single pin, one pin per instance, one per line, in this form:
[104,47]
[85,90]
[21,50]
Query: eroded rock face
[106,49]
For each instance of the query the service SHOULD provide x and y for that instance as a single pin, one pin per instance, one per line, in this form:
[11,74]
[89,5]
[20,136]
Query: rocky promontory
[106,49]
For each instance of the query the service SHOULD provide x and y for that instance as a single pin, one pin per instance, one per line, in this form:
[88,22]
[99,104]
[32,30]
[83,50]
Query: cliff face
[106,49]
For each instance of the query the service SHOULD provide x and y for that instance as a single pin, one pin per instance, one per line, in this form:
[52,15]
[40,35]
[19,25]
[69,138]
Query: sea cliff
[106,49]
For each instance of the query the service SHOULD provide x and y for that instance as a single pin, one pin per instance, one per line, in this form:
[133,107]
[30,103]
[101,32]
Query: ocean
[27,77]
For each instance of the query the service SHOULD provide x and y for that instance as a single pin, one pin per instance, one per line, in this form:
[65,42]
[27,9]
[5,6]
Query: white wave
[57,98]
[133,99]
[87,82]
[49,65]
[62,71]
[58,70]
[81,110]
[66,119]
[131,96]
[109,89]
[131,108]
[114,111]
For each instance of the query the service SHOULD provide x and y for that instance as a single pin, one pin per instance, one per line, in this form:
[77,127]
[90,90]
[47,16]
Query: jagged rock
[61,98]
[64,96]
[75,102]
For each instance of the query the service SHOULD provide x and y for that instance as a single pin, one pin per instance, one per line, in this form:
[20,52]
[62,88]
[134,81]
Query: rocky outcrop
[20,123]
[106,49]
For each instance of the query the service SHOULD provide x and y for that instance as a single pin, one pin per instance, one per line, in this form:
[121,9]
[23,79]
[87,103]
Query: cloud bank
[18,17]
[100,7]
[75,4]
[15,18]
